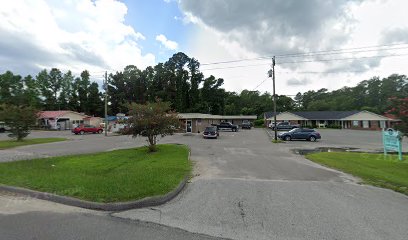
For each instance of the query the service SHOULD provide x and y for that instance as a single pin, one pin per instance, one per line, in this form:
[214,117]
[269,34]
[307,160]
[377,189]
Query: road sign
[392,142]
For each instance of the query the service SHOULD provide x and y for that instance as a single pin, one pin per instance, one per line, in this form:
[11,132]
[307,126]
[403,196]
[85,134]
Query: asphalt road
[68,226]
[248,188]
[244,187]
[32,219]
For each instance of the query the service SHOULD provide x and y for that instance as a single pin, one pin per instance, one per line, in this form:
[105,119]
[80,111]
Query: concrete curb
[120,206]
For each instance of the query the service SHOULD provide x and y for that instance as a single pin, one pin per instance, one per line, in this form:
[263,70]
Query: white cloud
[230,30]
[75,35]
[172,45]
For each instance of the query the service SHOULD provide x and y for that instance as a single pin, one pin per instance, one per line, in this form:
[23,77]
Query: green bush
[335,126]
[307,126]
[259,123]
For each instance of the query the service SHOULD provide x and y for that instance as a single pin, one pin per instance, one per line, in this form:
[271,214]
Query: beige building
[341,119]
[197,122]
[94,121]
[60,120]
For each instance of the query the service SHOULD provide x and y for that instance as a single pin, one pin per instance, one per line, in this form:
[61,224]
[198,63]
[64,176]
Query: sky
[317,43]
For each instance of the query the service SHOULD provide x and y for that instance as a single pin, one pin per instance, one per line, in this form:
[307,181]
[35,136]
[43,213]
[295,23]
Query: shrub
[259,123]
[335,126]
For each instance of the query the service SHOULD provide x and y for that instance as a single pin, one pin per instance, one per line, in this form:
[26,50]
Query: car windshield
[209,129]
[294,130]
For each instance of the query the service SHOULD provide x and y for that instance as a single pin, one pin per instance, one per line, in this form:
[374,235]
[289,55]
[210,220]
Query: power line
[254,65]
[340,59]
[344,49]
[260,84]
[304,61]
[335,51]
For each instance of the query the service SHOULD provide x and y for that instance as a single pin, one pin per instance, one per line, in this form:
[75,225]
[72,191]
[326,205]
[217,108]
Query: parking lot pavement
[245,187]
[361,139]
[76,144]
[248,188]
[41,134]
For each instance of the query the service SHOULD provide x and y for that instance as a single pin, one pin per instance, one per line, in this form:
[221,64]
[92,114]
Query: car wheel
[287,138]
[81,132]
[312,139]
[100,131]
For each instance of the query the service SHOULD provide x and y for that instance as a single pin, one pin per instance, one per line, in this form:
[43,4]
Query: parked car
[211,132]
[284,126]
[300,133]
[246,124]
[227,126]
[87,129]
[3,127]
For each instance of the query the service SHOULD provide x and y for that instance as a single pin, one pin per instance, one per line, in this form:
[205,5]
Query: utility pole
[274,98]
[106,103]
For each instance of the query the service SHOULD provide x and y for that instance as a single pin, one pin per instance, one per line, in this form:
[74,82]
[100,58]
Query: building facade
[60,120]
[197,122]
[363,120]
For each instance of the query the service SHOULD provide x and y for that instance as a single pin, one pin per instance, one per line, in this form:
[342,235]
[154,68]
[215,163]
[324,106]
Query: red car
[87,129]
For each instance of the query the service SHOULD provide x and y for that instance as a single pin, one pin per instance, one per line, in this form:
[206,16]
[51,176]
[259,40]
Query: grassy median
[374,169]
[5,144]
[120,175]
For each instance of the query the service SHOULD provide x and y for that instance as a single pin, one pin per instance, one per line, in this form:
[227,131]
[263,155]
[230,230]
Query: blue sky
[155,17]
[108,35]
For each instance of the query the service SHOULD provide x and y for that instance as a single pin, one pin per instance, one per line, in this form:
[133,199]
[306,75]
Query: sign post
[392,142]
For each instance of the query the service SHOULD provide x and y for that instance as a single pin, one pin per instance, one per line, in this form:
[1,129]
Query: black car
[227,126]
[300,133]
[246,124]
[283,126]
[211,132]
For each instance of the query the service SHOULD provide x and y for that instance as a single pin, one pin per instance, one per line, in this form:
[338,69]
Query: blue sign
[392,142]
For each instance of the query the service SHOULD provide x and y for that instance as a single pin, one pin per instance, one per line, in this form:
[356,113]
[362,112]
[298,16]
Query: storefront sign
[392,142]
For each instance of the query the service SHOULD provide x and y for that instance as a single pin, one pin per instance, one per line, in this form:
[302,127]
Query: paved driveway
[245,187]
[249,188]
[361,139]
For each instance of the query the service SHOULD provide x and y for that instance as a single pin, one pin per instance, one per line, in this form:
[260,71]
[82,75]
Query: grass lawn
[115,176]
[374,169]
[4,144]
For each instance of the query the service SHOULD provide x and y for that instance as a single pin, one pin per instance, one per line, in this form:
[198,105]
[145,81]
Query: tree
[399,108]
[66,91]
[95,103]
[19,119]
[151,120]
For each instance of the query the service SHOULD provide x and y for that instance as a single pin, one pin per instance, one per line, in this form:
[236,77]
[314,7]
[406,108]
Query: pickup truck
[227,126]
[284,126]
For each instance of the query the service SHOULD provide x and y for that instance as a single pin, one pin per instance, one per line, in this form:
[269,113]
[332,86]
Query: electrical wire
[326,52]
[341,59]
[305,61]
[260,84]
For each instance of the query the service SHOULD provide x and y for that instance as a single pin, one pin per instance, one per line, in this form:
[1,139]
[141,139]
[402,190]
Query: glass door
[189,129]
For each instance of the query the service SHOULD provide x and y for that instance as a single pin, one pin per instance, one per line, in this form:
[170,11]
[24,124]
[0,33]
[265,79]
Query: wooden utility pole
[274,98]
[106,103]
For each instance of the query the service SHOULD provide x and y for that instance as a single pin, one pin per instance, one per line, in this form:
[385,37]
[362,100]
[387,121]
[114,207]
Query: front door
[189,128]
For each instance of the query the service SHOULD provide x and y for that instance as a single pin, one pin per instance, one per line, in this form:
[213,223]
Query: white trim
[364,111]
